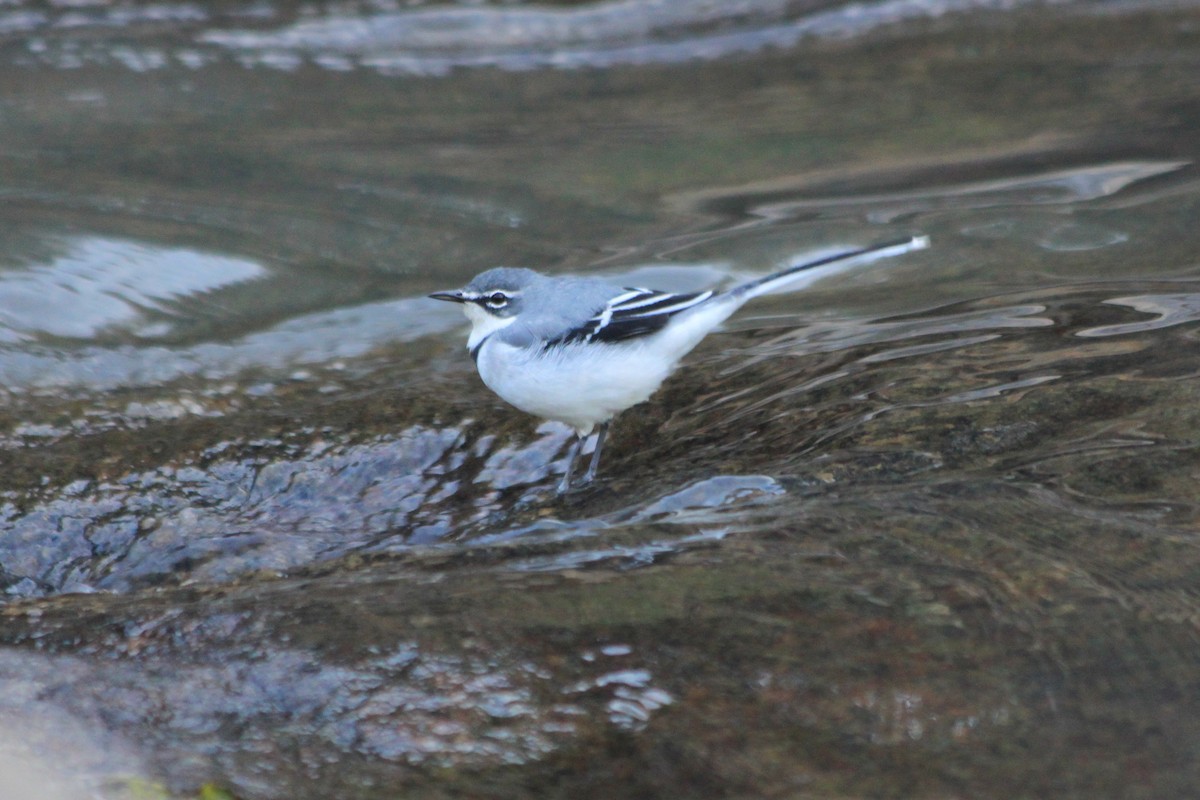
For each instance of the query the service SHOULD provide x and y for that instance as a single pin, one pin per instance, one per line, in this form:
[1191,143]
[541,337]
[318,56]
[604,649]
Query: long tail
[696,322]
[778,280]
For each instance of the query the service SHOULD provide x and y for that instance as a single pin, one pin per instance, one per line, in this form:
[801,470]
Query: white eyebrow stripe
[486,297]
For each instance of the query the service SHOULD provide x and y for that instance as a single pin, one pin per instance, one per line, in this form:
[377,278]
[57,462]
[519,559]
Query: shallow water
[926,528]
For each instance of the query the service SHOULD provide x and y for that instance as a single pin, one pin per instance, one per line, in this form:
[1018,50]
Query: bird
[580,350]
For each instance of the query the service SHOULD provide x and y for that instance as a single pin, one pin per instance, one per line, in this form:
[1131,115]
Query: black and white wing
[634,312]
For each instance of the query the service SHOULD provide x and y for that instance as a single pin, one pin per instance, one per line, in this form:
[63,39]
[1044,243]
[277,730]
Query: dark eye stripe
[494,300]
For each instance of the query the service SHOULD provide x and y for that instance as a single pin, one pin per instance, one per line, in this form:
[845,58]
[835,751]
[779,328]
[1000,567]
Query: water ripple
[434,41]
[1165,311]
[721,491]
[824,337]
[1058,187]
[96,284]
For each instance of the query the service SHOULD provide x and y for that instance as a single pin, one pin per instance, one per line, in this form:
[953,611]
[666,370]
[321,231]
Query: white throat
[483,324]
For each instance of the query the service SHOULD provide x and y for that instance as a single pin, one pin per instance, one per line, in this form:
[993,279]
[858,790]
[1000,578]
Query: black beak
[453,297]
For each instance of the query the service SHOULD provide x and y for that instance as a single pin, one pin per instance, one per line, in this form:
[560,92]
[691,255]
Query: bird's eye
[497,300]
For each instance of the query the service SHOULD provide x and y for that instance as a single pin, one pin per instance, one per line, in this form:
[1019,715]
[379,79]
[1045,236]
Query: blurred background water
[927,528]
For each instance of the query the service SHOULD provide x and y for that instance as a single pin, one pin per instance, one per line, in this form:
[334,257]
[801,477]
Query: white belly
[581,385]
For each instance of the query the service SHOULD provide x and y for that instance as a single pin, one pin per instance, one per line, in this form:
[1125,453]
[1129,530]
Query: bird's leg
[595,462]
[572,454]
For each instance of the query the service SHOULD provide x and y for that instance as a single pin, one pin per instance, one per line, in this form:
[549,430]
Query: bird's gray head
[497,293]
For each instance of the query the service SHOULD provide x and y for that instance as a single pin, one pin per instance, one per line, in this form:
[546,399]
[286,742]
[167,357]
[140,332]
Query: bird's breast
[580,385]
